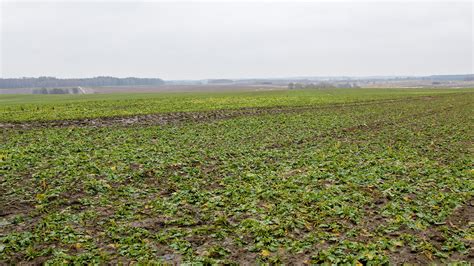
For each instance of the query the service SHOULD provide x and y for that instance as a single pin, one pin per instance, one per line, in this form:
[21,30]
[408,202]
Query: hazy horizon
[203,40]
[244,78]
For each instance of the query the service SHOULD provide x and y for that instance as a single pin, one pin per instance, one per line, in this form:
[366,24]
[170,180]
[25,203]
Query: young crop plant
[306,177]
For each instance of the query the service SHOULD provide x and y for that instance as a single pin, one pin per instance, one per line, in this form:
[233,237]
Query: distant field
[343,176]
[189,88]
[162,88]
[55,107]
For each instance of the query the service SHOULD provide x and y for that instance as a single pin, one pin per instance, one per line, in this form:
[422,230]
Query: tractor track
[181,117]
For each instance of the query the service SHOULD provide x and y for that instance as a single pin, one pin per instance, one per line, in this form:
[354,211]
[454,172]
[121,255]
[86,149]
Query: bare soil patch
[180,117]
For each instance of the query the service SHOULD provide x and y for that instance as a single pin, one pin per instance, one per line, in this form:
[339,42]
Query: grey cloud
[203,40]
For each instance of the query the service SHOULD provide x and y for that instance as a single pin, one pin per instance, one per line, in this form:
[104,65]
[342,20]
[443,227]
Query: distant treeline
[52,82]
[467,77]
[219,81]
[320,85]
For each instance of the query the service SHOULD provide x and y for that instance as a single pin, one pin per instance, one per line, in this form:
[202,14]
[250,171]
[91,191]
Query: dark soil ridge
[179,117]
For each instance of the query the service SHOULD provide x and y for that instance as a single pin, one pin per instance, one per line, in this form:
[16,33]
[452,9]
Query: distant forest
[52,82]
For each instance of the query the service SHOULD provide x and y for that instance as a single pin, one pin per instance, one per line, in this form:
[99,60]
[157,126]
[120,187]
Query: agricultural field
[14,108]
[355,176]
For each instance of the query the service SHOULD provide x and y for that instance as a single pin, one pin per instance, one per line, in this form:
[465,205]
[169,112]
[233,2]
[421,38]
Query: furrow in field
[180,117]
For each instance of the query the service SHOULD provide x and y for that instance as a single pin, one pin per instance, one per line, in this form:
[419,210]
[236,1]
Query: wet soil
[180,117]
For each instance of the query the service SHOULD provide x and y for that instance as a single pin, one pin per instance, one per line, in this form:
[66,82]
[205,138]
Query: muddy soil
[180,117]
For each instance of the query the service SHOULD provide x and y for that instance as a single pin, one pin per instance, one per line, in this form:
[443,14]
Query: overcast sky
[194,40]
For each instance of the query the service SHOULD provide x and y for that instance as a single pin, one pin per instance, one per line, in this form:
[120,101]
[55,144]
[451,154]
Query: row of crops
[385,182]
